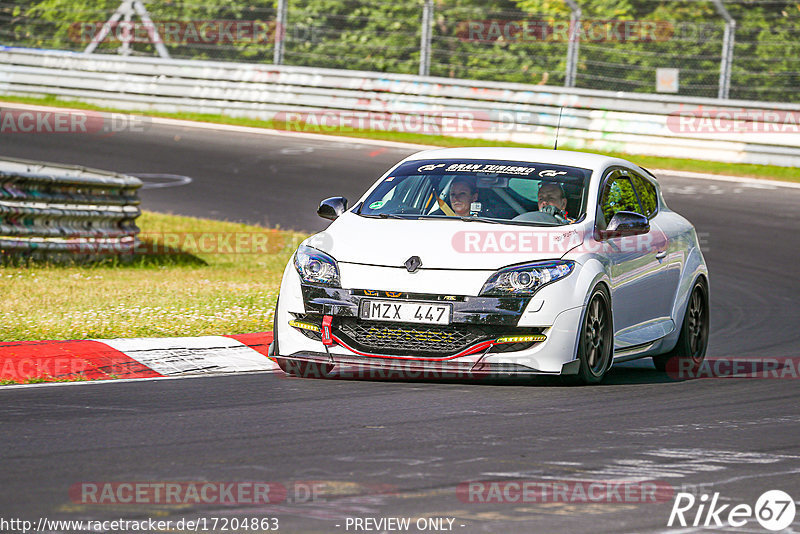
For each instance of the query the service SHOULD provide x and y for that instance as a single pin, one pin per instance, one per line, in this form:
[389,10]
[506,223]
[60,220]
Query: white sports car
[496,261]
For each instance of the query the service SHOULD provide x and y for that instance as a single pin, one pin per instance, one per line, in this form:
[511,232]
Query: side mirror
[626,223]
[331,208]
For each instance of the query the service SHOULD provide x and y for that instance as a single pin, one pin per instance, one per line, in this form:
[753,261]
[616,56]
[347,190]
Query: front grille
[409,340]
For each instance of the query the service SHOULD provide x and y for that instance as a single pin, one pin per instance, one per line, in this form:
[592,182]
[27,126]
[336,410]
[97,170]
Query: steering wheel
[559,215]
[547,214]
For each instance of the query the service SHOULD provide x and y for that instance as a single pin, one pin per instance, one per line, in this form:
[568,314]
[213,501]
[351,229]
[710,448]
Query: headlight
[316,267]
[526,279]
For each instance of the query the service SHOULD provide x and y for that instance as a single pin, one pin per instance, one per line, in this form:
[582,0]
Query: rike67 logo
[774,510]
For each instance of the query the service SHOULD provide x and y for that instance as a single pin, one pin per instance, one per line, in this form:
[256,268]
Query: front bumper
[355,367]
[477,322]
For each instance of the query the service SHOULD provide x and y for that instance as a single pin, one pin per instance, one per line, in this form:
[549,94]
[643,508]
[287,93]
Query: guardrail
[65,213]
[602,121]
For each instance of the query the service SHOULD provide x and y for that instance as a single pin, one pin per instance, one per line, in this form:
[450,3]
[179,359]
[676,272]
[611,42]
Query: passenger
[462,194]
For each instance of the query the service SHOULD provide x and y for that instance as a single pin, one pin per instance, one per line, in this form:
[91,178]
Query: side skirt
[637,351]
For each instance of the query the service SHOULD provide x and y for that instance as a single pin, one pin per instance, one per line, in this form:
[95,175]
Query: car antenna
[558,125]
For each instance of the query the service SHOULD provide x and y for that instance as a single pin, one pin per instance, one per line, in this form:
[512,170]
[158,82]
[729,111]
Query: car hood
[442,244]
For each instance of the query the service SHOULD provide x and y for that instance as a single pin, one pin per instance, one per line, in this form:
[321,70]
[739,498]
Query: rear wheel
[690,351]
[596,343]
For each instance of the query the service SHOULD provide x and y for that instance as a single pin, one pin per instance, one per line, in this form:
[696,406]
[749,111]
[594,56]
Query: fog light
[305,326]
[521,339]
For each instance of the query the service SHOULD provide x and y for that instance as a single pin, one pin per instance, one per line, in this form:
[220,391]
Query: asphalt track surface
[400,449]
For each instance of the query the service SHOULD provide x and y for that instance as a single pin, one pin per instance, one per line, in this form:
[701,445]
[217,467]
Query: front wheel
[690,351]
[596,342]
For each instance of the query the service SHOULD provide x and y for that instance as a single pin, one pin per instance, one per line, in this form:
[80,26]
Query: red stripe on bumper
[483,345]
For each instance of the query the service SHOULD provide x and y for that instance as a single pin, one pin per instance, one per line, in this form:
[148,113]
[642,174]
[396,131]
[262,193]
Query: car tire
[596,340]
[690,351]
[273,347]
[305,369]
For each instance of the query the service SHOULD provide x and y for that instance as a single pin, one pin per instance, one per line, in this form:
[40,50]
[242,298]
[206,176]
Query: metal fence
[738,49]
[65,213]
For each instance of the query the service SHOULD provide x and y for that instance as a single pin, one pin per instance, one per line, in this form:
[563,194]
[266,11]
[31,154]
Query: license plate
[405,312]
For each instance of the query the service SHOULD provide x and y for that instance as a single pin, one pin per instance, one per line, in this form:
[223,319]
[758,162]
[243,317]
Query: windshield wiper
[467,218]
[472,218]
[382,216]
[535,223]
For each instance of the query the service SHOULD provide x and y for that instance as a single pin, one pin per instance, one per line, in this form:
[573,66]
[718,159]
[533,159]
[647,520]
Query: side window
[618,195]
[647,195]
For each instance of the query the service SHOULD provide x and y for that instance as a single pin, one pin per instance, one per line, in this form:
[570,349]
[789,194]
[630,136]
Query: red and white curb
[99,359]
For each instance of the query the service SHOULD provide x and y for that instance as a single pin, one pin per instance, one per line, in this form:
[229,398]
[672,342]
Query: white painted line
[757,475]
[287,133]
[168,180]
[766,184]
[192,355]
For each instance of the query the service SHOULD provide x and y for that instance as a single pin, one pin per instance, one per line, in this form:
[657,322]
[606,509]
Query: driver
[553,200]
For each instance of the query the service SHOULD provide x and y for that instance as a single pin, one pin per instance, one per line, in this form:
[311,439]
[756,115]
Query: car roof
[584,160]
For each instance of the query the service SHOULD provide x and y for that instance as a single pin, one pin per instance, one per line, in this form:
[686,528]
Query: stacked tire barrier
[64,213]
[595,120]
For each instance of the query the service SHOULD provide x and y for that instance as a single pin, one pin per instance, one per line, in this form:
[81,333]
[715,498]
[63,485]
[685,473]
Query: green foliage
[766,64]
[353,34]
[59,24]
[606,9]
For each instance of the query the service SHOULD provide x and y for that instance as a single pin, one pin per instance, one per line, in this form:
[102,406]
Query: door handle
[661,255]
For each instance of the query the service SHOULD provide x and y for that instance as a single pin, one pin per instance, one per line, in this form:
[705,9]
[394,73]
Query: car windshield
[487,190]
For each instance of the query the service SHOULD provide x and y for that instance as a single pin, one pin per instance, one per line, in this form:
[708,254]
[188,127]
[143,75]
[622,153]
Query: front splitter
[469,367]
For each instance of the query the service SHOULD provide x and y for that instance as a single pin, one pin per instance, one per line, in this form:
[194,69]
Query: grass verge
[198,277]
[772,172]
[46,378]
